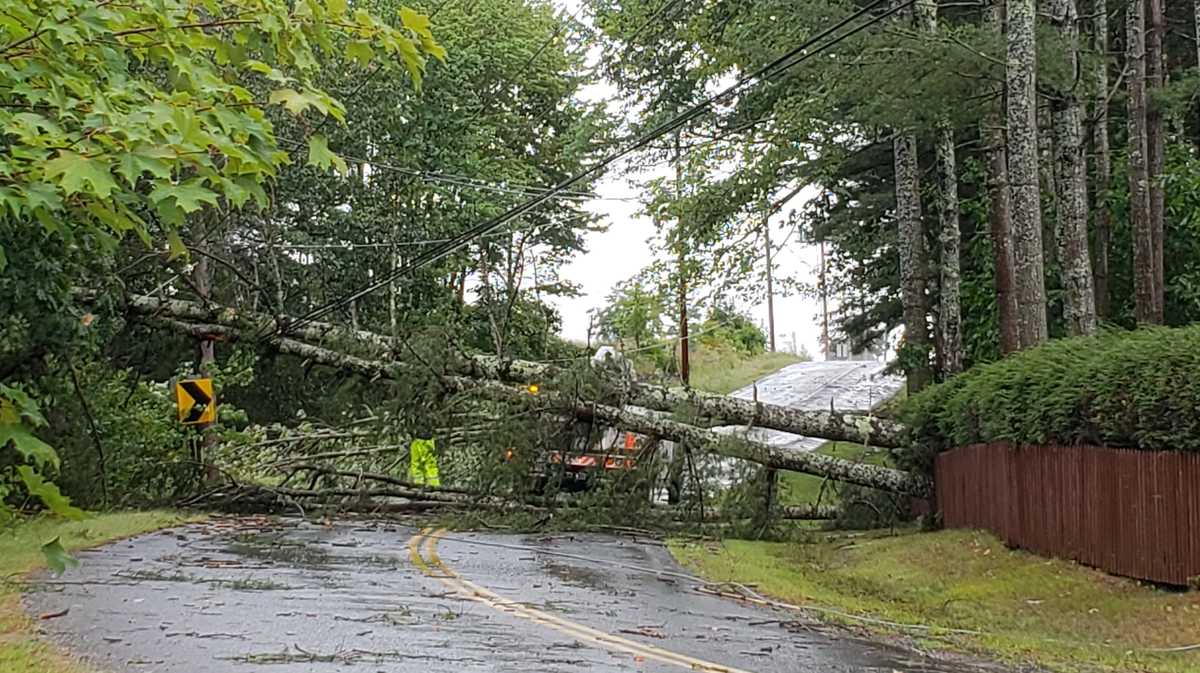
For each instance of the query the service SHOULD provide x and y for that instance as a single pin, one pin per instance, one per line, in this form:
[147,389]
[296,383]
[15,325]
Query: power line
[468,182]
[408,244]
[776,67]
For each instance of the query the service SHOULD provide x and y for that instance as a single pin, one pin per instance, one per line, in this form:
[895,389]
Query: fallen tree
[831,425]
[698,439]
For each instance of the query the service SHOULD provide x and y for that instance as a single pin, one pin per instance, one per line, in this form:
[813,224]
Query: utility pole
[206,354]
[684,365]
[770,281]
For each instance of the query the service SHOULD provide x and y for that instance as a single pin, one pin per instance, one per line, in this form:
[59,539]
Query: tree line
[999,172]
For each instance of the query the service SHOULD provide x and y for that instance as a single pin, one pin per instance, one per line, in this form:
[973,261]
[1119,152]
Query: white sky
[623,250]
[619,253]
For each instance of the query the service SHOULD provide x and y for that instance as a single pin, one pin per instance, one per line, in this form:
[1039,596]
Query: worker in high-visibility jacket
[422,463]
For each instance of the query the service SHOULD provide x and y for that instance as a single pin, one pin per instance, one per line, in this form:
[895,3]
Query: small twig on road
[54,615]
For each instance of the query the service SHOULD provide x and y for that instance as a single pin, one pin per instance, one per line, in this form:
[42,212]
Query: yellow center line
[433,566]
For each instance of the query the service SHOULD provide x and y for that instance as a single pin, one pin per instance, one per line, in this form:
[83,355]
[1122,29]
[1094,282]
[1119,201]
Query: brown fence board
[1132,513]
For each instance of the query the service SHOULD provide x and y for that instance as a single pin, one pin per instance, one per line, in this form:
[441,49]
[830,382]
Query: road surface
[287,596]
[819,386]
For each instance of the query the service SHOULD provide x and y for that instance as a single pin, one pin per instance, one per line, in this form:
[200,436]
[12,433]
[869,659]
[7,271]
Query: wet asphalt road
[844,386]
[286,596]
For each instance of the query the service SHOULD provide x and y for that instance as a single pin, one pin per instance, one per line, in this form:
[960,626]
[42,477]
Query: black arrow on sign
[202,401]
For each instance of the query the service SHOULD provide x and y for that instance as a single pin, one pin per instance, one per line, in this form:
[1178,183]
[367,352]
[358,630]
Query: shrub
[1137,389]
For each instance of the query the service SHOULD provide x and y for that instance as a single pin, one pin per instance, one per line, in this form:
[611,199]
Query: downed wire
[873,476]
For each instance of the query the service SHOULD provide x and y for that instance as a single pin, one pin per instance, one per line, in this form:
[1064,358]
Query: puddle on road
[239,584]
[312,554]
[579,576]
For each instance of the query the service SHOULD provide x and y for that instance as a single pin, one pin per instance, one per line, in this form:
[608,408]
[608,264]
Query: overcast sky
[621,251]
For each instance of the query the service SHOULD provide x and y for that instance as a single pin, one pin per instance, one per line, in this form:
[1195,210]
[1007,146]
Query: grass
[723,371]
[20,553]
[803,489]
[1027,608]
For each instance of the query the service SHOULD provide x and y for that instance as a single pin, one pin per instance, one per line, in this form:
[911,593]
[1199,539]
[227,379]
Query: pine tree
[1156,151]
[913,264]
[1070,180]
[1139,193]
[1101,148]
[1023,173]
[999,207]
[950,352]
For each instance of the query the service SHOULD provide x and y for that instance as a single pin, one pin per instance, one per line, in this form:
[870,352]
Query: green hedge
[1137,389]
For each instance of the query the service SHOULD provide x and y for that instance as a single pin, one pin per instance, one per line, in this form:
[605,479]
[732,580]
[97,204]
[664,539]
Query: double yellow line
[430,564]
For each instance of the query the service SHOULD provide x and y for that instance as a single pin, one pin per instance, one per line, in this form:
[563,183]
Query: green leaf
[175,246]
[27,445]
[320,156]
[42,195]
[188,196]
[131,165]
[74,171]
[360,52]
[57,558]
[337,8]
[49,494]
[296,102]
[415,21]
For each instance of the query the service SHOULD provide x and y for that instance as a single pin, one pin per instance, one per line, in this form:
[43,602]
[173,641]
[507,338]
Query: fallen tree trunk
[836,426]
[808,512]
[808,462]
[873,476]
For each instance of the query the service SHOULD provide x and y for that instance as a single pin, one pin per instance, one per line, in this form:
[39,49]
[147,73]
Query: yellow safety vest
[422,463]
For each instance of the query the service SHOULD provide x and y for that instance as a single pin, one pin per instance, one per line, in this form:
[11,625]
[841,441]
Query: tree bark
[808,462]
[1070,180]
[838,426]
[1023,173]
[1139,181]
[626,419]
[950,315]
[808,512]
[1100,141]
[950,354]
[1156,80]
[913,265]
[1000,211]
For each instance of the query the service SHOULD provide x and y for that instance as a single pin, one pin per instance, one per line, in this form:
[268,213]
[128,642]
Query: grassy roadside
[1028,609]
[20,553]
[723,371]
[802,489]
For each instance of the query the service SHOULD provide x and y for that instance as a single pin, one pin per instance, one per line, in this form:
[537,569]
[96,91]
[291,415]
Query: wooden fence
[1131,513]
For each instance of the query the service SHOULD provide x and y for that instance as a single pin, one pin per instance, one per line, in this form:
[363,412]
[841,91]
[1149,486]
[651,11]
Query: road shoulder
[21,649]
[933,589]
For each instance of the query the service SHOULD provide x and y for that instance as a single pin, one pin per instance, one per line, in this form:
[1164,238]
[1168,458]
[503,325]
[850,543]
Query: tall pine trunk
[1156,152]
[913,265]
[1139,187]
[1070,184]
[1023,173]
[949,337]
[999,210]
[1103,222]
[950,313]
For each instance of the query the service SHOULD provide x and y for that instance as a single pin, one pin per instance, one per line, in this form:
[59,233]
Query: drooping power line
[790,59]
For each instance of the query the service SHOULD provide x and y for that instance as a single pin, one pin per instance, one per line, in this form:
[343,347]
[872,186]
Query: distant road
[816,386]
